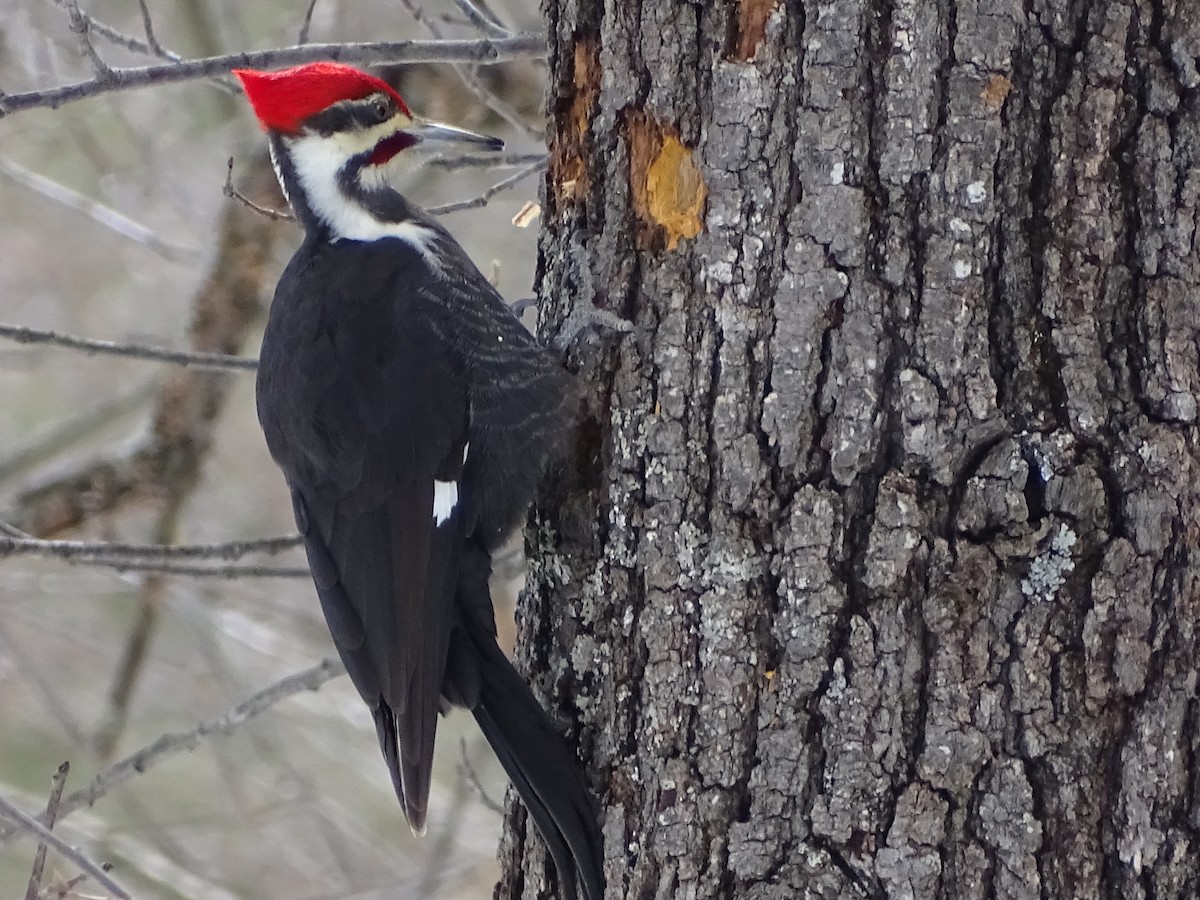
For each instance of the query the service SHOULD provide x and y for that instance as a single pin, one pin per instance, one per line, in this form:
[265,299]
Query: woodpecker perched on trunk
[411,414]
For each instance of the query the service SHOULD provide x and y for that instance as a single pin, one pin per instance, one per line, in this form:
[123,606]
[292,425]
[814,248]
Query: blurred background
[114,225]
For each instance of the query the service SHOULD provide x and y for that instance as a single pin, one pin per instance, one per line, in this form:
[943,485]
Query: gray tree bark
[874,569]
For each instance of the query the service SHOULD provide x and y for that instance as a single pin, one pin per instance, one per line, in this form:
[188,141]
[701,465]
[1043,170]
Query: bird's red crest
[283,100]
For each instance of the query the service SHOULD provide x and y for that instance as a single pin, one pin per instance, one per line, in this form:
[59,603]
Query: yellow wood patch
[668,189]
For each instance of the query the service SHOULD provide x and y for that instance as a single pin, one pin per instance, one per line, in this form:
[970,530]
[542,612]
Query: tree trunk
[874,570]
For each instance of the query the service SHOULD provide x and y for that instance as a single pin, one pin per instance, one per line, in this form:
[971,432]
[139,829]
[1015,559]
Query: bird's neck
[338,200]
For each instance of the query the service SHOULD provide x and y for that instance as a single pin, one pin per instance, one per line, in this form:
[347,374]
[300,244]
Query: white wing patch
[318,160]
[445,498]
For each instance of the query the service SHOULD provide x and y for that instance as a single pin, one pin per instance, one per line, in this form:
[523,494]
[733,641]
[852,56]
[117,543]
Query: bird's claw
[583,317]
[522,306]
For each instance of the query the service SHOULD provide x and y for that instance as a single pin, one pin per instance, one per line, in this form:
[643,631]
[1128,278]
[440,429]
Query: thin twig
[49,816]
[479,51]
[468,77]
[96,211]
[277,215]
[539,162]
[82,27]
[302,39]
[65,889]
[491,192]
[482,20]
[121,39]
[223,361]
[32,826]
[148,27]
[136,649]
[226,305]
[171,744]
[230,572]
[479,161]
[471,778]
[11,545]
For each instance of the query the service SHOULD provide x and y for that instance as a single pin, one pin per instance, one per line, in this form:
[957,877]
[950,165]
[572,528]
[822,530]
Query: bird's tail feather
[542,767]
[544,772]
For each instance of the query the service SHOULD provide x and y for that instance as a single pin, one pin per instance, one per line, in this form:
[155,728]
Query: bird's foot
[582,318]
[522,306]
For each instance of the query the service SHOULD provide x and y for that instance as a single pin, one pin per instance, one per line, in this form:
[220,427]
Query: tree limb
[127,41]
[32,826]
[230,572]
[482,199]
[14,545]
[49,816]
[480,51]
[99,213]
[222,361]
[172,744]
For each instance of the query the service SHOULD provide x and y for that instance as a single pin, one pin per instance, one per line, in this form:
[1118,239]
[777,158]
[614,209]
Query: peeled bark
[874,570]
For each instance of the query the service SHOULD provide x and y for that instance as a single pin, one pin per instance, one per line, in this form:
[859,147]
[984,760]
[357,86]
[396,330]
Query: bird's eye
[382,107]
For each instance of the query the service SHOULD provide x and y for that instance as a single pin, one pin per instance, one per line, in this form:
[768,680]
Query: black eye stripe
[353,114]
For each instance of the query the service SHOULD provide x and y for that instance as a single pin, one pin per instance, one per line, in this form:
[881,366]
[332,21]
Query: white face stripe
[445,498]
[318,160]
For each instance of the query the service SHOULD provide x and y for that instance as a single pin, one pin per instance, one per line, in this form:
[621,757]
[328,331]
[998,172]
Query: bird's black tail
[542,767]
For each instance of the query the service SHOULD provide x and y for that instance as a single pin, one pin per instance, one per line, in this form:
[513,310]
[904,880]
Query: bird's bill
[443,138]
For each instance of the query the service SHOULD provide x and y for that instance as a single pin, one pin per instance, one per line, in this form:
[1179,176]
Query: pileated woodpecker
[411,413]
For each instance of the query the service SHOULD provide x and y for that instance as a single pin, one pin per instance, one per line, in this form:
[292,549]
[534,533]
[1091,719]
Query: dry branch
[481,19]
[225,307]
[29,825]
[133,350]
[116,222]
[48,817]
[229,573]
[483,198]
[121,39]
[472,81]
[12,545]
[172,744]
[482,51]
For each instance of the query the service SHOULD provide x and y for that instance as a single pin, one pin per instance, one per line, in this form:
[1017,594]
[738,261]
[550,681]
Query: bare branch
[302,39]
[277,215]
[467,74]
[171,744]
[48,817]
[230,572]
[150,557]
[32,826]
[121,39]
[82,27]
[64,889]
[482,20]
[491,192]
[97,212]
[535,163]
[471,778]
[148,27]
[12,545]
[482,51]
[478,161]
[221,361]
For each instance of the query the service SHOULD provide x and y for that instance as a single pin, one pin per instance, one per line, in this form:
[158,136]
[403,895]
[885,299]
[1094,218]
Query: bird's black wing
[522,400]
[366,411]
